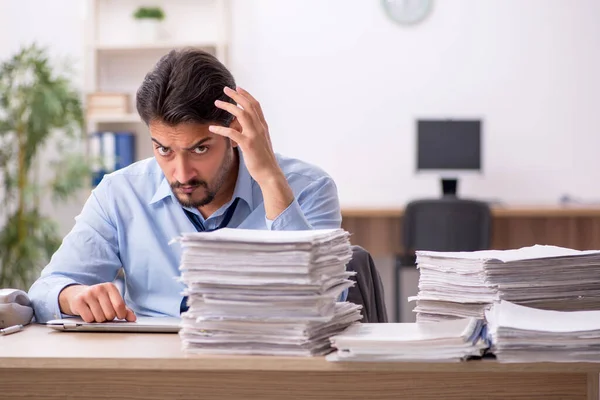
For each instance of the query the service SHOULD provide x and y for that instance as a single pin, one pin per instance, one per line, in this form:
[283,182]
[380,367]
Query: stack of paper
[465,284]
[433,341]
[265,292]
[524,334]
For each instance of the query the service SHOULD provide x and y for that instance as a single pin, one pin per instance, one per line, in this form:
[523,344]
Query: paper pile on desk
[465,284]
[524,334]
[430,341]
[265,292]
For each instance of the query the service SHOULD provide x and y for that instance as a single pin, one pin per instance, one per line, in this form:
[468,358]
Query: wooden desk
[43,364]
[379,230]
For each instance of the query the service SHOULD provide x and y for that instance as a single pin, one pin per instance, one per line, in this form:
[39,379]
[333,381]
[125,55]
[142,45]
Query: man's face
[195,161]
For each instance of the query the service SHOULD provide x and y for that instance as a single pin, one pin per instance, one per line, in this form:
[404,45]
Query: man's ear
[235,124]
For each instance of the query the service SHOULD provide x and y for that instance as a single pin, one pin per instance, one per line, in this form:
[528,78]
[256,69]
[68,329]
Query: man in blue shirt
[213,166]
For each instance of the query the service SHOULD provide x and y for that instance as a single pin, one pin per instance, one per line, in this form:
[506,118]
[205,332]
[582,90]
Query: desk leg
[593,386]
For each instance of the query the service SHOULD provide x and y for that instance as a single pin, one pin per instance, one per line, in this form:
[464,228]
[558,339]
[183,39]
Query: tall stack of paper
[265,292]
[432,341]
[524,334]
[465,284]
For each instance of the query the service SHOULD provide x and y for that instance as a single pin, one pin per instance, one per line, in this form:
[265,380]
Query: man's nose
[183,170]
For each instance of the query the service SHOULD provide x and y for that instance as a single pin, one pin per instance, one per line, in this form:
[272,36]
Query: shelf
[117,58]
[117,118]
[161,46]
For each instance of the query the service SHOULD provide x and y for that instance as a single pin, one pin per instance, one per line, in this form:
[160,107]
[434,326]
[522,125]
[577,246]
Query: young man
[213,166]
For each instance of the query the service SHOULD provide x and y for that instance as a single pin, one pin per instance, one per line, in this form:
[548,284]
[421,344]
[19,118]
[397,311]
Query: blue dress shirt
[132,215]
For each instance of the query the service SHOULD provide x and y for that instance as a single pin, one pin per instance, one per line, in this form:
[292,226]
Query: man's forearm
[277,195]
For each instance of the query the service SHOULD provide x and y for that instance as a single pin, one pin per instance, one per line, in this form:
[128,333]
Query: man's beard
[188,200]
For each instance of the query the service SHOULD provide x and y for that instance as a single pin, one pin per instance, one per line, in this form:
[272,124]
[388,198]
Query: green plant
[39,109]
[149,13]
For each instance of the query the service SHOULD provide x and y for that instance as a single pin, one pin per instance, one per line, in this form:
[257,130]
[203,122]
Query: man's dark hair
[183,87]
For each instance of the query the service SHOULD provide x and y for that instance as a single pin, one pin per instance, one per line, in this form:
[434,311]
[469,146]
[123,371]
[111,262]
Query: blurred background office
[360,88]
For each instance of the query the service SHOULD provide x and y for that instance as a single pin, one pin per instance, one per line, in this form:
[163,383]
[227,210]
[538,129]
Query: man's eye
[163,151]
[200,149]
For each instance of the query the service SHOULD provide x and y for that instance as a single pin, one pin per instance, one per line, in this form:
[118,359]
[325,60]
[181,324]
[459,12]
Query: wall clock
[407,12]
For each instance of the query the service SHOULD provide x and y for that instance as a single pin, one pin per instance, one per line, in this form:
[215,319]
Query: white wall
[341,86]
[57,24]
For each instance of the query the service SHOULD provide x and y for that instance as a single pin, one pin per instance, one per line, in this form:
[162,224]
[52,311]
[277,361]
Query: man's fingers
[118,304]
[107,307]
[255,104]
[94,305]
[80,308]
[240,99]
[242,115]
[99,303]
[130,316]
[247,95]
[227,132]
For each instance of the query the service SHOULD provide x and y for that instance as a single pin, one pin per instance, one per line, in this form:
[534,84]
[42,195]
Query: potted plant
[149,21]
[40,108]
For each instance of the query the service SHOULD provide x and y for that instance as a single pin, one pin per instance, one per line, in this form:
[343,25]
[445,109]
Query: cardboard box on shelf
[103,103]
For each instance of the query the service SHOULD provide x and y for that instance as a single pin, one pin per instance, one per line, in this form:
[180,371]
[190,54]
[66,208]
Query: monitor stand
[449,187]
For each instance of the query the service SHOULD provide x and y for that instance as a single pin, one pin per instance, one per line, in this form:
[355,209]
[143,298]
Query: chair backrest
[446,224]
[368,289]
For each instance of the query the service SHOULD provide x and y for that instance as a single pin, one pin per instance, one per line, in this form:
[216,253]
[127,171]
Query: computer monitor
[449,148]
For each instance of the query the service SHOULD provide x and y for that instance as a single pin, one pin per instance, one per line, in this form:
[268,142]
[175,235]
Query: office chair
[445,224]
[368,289]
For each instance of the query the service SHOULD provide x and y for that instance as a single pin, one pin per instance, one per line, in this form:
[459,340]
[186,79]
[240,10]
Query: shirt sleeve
[315,207]
[88,255]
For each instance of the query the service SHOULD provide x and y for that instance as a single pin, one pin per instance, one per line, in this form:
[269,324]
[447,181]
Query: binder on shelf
[95,156]
[110,151]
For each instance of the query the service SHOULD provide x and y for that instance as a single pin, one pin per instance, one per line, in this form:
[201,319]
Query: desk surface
[38,347]
[525,211]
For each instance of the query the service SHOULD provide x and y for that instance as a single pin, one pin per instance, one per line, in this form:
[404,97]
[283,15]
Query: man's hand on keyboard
[96,303]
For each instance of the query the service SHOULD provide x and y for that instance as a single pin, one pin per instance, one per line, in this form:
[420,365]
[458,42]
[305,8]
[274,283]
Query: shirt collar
[243,186]
[163,191]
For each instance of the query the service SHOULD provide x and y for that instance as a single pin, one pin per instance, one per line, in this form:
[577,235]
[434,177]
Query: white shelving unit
[117,58]
[107,49]
[115,119]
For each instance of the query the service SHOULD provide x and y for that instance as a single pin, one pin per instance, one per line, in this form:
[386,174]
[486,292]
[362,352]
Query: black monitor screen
[445,144]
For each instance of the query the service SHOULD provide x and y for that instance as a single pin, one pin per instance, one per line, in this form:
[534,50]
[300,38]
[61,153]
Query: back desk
[43,364]
[380,230]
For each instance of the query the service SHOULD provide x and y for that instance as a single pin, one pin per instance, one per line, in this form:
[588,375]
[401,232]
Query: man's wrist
[277,194]
[274,177]
[65,296]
